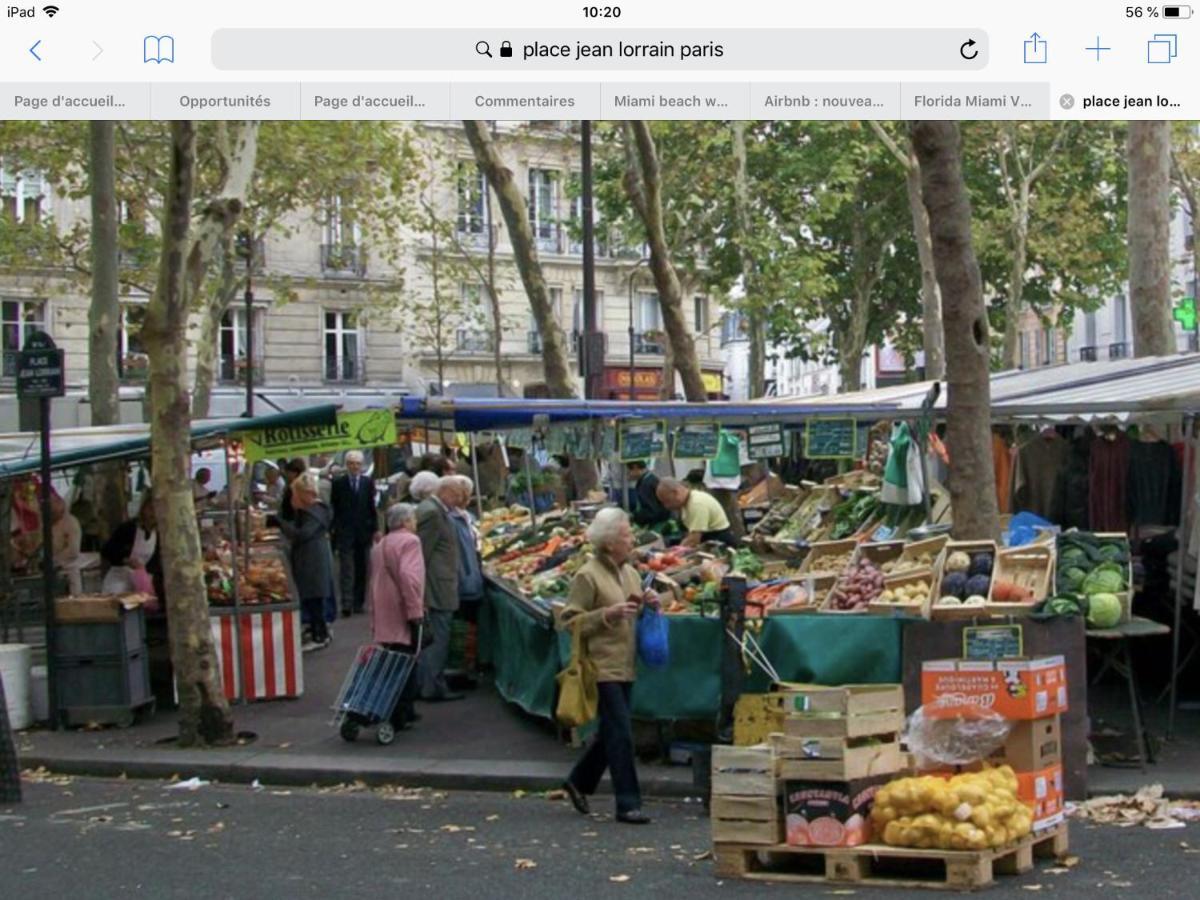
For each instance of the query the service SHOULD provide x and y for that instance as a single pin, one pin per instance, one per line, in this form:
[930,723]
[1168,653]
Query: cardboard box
[1033,744]
[830,813]
[1014,688]
[1042,792]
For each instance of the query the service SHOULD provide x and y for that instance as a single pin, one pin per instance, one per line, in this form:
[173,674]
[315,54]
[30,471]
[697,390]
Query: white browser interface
[81,59]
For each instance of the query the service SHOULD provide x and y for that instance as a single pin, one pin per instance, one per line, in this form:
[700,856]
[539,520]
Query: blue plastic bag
[653,642]
[1024,528]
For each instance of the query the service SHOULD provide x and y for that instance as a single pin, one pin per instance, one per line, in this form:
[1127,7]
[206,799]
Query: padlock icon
[505,48]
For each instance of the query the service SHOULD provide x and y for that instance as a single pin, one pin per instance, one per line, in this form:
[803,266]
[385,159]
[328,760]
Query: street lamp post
[246,240]
[632,330]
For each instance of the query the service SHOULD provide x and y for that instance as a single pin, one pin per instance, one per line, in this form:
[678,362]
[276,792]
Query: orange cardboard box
[1042,792]
[1014,688]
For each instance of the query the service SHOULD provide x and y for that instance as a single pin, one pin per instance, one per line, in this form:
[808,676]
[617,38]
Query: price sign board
[41,368]
[641,440]
[993,642]
[831,438]
[764,441]
[697,441]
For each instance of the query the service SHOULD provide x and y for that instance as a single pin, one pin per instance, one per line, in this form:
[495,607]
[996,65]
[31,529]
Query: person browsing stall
[650,510]
[702,514]
[307,533]
[439,544]
[355,528]
[605,598]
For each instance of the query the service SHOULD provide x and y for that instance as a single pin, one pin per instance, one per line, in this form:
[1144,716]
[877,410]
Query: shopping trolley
[372,689]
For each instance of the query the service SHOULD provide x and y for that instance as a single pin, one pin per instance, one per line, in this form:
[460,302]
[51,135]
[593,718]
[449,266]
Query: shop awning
[20,453]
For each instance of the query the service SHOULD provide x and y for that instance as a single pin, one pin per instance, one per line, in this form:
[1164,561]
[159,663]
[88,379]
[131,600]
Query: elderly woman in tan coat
[606,596]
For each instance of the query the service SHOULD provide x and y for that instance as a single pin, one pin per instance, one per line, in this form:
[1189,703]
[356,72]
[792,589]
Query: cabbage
[1106,579]
[1073,556]
[955,584]
[1104,610]
[981,564]
[1072,578]
[979,584]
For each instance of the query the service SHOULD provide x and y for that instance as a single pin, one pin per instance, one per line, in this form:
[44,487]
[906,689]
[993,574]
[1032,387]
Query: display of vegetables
[830,563]
[973,811]
[1011,592]
[1089,564]
[857,588]
[853,513]
[958,562]
[904,566]
[915,593]
[746,562]
[1104,610]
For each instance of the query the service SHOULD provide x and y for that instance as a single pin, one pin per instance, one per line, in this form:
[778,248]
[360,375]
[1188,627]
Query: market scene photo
[560,508]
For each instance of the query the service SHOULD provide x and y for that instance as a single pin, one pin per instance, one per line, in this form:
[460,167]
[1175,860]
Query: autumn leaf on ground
[518,794]
[556,795]
[1031,887]
[707,854]
[525,864]
[619,879]
[1070,861]
[492,819]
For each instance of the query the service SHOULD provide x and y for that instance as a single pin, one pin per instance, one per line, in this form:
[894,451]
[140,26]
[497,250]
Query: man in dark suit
[355,527]
[439,545]
[649,511]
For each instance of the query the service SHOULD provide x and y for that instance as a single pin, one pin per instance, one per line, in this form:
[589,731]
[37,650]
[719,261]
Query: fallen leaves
[1031,887]
[1148,807]
[525,864]
[42,775]
[618,879]
[492,818]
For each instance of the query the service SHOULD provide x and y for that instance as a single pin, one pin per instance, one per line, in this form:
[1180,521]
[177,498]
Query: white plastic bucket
[15,663]
[39,694]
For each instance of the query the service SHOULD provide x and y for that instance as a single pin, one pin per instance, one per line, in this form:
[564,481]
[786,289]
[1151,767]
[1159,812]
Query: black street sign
[40,368]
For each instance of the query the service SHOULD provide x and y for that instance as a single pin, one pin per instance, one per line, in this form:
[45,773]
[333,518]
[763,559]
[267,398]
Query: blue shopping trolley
[372,689]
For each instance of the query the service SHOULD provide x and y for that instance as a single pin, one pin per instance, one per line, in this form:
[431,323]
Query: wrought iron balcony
[471,340]
[345,369]
[1118,350]
[345,260]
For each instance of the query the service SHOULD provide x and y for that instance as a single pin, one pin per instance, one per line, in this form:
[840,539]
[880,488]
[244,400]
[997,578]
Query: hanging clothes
[1076,512]
[1154,485]
[1002,462]
[1038,486]
[1108,473]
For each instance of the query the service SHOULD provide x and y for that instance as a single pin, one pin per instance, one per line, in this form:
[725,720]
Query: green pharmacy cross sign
[1185,313]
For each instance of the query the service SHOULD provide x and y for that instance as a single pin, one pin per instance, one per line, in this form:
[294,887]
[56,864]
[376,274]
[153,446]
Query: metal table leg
[1139,731]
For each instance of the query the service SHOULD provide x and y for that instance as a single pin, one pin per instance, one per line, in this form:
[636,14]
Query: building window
[603,246]
[733,328]
[700,307]
[133,363]
[1120,323]
[343,347]
[18,320]
[1047,346]
[233,346]
[23,196]
[342,250]
[1025,341]
[472,221]
[473,335]
[543,206]
[647,323]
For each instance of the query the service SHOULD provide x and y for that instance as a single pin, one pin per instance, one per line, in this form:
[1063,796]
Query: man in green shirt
[703,517]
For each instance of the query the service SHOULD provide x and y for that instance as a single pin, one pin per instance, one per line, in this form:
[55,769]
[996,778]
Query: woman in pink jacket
[396,597]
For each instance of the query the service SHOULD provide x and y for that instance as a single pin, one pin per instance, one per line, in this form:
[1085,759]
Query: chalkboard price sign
[642,440]
[764,441]
[697,441]
[830,438]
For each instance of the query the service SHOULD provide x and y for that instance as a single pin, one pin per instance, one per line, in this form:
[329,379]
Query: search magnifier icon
[483,48]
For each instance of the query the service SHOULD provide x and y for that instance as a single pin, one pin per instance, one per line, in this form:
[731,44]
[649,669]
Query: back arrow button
[33,50]
[99,50]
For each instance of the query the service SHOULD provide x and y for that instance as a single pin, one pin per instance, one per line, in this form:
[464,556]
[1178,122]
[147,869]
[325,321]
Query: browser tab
[949,100]
[686,100]
[225,100]
[507,100]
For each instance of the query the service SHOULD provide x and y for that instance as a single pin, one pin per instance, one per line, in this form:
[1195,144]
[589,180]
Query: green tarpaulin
[526,654]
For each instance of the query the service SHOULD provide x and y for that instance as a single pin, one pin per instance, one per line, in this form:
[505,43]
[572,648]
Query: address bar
[690,49]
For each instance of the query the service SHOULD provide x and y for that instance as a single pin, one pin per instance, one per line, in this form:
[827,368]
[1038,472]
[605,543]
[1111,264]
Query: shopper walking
[355,526]
[470,572]
[439,544]
[396,597]
[605,598]
[312,560]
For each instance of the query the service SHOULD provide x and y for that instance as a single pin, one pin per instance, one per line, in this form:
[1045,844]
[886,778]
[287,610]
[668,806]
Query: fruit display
[264,581]
[915,593]
[972,811]
[857,588]
[499,528]
[806,520]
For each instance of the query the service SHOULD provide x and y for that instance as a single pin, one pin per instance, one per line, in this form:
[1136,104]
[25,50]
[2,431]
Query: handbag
[653,642]
[578,695]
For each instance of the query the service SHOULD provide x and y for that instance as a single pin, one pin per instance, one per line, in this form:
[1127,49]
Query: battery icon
[1177,12]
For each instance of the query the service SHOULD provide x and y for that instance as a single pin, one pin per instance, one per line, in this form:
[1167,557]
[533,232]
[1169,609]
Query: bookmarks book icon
[158,48]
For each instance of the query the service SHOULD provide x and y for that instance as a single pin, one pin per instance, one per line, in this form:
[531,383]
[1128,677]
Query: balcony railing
[345,369]
[1118,351]
[470,340]
[472,234]
[345,260]
[1088,354]
[648,342]
[233,371]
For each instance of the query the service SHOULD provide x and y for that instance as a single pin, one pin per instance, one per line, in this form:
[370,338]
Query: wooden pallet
[881,865]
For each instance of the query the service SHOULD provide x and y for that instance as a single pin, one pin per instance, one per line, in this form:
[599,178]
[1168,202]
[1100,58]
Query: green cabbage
[1070,557]
[1107,578]
[1104,610]
[1071,578]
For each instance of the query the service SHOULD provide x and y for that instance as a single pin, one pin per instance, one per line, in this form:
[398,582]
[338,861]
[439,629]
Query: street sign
[40,368]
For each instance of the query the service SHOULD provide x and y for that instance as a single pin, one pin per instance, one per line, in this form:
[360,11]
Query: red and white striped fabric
[262,657]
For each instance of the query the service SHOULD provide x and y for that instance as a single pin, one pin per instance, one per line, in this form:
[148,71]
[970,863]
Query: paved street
[96,839]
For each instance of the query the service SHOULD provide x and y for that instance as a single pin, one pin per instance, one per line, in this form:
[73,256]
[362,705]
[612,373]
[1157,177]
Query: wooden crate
[742,831]
[749,820]
[878,553]
[858,710]
[884,608]
[885,866]
[968,547]
[958,613]
[821,586]
[824,550]
[744,771]
[836,759]
[934,546]
[756,717]
[1031,567]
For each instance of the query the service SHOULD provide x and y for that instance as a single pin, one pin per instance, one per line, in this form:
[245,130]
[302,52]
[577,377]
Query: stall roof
[20,453]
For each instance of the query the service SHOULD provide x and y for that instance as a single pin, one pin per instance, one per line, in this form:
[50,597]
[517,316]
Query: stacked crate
[745,796]
[102,667]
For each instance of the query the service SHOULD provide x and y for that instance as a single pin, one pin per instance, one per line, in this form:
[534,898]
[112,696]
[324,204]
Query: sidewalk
[480,743]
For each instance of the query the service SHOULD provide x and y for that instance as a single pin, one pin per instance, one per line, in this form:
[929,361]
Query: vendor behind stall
[132,554]
[649,510]
[702,514]
[67,541]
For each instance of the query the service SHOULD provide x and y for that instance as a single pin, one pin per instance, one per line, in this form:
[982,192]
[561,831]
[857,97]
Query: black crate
[95,639]
[105,690]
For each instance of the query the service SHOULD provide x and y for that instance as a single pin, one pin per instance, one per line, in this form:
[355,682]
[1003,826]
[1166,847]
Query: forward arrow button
[99,50]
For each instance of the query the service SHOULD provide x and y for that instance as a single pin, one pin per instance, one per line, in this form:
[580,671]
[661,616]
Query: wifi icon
[50,11]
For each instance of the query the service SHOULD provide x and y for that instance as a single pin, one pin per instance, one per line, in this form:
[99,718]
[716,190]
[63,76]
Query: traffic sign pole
[48,567]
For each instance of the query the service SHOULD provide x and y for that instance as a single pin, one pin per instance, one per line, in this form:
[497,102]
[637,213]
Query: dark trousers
[432,667]
[314,611]
[352,572]
[406,705]
[612,749]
